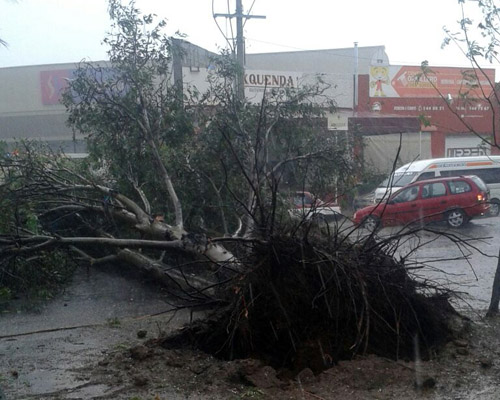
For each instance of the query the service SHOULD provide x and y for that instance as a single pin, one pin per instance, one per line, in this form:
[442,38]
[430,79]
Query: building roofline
[317,50]
[54,64]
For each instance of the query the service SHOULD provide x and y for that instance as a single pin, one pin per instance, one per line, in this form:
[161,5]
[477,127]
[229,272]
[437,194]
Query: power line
[231,45]
[240,44]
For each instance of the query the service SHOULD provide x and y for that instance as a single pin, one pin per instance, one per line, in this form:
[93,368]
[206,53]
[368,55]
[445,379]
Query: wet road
[93,298]
[464,259]
[466,268]
[41,354]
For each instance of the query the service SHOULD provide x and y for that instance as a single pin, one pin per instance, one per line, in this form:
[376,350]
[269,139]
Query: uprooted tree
[193,190]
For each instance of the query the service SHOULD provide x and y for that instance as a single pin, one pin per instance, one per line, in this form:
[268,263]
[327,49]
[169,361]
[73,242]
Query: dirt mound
[310,304]
[465,368]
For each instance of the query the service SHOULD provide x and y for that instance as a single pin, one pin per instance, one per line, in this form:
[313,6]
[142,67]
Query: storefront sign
[466,144]
[410,81]
[53,83]
[272,79]
[466,152]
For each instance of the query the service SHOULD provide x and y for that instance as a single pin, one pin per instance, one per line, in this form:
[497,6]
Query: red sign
[53,83]
[411,81]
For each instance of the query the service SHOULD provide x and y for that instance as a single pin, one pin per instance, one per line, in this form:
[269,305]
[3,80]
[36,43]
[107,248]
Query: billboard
[410,81]
[52,83]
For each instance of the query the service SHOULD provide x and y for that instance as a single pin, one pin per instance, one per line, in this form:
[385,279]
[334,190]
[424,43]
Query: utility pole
[355,94]
[240,45]
[240,51]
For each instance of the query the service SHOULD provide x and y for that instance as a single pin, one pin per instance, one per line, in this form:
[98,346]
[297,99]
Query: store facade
[384,105]
[454,105]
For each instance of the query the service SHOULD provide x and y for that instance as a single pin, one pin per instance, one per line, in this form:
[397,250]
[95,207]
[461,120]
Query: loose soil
[129,364]
[467,368]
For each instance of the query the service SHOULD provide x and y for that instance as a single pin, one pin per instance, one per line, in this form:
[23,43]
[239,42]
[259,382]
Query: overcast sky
[58,31]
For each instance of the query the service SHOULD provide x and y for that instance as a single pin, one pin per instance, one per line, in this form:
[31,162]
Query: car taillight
[481,197]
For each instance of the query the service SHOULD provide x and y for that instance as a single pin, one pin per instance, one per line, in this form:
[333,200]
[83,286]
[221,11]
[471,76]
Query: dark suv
[455,200]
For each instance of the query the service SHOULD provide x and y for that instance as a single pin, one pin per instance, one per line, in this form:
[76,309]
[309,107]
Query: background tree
[478,39]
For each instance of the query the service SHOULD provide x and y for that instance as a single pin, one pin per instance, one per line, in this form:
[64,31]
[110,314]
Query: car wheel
[456,218]
[371,223]
[494,208]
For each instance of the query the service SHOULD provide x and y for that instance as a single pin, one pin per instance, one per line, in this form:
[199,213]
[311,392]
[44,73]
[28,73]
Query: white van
[486,167]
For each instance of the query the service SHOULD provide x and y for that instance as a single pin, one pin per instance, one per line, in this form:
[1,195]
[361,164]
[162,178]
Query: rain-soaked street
[460,259]
[41,352]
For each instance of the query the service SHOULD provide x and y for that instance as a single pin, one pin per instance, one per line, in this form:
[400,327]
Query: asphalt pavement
[463,259]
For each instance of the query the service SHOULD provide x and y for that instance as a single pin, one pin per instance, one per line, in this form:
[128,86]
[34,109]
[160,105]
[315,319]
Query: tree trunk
[166,274]
[495,292]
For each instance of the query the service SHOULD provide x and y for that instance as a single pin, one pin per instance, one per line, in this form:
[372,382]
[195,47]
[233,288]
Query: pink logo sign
[53,83]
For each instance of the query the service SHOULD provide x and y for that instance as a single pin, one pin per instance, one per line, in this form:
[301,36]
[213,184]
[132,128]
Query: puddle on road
[43,353]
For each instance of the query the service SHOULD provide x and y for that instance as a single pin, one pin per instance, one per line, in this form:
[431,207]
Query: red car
[455,200]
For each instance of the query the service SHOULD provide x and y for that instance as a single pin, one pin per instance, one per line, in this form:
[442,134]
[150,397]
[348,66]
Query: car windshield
[399,179]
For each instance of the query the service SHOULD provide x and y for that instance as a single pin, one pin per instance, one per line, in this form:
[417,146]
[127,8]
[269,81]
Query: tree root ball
[310,305]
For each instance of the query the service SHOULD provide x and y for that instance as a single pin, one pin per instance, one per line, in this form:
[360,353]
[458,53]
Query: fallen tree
[307,295]
[198,199]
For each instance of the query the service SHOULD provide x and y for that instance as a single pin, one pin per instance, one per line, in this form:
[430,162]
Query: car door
[402,207]
[434,201]
[462,196]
